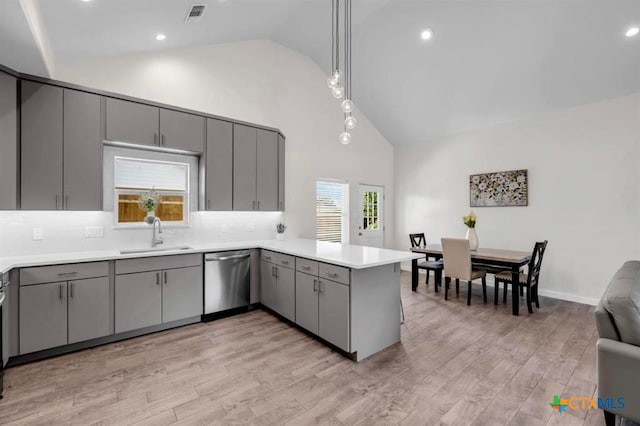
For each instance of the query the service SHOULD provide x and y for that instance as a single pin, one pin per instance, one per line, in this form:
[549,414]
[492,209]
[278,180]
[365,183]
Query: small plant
[470,219]
[149,201]
[280,228]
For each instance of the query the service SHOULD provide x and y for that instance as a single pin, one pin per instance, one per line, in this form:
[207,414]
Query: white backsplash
[65,231]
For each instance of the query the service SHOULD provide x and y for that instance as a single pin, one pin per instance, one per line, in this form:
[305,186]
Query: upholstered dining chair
[419,240]
[528,280]
[457,265]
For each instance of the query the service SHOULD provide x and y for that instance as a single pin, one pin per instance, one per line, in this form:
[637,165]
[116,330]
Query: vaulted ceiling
[489,61]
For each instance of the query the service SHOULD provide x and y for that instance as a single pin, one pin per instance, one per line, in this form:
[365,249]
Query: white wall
[266,83]
[584,189]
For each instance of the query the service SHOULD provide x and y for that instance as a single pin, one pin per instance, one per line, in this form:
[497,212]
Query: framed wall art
[499,189]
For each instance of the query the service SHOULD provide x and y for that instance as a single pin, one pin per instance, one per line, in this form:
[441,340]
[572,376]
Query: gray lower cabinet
[180,130]
[219,166]
[278,288]
[132,122]
[307,301]
[182,293]
[43,316]
[138,300]
[41,137]
[88,309]
[8,142]
[333,313]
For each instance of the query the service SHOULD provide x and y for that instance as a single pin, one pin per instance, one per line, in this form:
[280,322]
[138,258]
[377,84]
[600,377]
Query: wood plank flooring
[456,365]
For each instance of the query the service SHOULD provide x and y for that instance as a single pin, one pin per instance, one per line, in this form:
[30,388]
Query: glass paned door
[371,224]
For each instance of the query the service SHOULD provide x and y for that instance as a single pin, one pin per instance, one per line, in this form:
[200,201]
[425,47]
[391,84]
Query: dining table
[488,258]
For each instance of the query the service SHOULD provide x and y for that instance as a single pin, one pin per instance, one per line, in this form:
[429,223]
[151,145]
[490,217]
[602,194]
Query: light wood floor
[456,365]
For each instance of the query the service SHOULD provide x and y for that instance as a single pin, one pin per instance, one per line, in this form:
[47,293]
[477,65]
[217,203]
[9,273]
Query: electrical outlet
[251,227]
[224,227]
[94,231]
[38,234]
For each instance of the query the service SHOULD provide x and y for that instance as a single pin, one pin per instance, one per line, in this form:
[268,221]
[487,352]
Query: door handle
[71,290]
[66,274]
[164,140]
[67,202]
[155,139]
[165,277]
[273,271]
[315,282]
[258,204]
[320,287]
[57,202]
[157,278]
[60,291]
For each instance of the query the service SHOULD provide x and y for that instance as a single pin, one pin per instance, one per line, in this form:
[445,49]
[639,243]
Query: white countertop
[348,255]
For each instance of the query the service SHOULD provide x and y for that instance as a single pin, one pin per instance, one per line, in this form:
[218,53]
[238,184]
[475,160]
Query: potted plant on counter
[149,202]
[280,228]
[470,221]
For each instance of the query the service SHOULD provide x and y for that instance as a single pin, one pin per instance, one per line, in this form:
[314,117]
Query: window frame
[344,214]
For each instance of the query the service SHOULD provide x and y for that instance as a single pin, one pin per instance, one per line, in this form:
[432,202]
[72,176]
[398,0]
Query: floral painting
[499,189]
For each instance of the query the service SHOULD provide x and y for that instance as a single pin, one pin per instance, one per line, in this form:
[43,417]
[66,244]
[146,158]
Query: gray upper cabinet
[88,304]
[61,149]
[132,122]
[244,168]
[219,166]
[82,151]
[267,170]
[182,293]
[138,300]
[281,147]
[180,130]
[8,142]
[43,316]
[41,146]
[333,313]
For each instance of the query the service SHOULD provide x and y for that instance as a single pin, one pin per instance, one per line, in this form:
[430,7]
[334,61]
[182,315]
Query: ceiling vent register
[195,14]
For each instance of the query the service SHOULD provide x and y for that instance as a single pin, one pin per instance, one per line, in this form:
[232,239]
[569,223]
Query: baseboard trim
[543,292]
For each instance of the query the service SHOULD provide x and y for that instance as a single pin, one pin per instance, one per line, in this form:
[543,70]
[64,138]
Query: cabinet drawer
[268,256]
[144,264]
[307,266]
[73,271]
[334,273]
[285,260]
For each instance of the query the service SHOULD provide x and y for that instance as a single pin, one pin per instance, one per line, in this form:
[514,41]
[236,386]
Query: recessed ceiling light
[632,32]
[426,34]
[160,37]
[86,1]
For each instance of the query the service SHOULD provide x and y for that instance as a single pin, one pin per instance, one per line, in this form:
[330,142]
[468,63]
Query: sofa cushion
[622,301]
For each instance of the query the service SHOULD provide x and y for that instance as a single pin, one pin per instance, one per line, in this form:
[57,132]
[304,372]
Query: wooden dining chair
[419,240]
[457,265]
[528,280]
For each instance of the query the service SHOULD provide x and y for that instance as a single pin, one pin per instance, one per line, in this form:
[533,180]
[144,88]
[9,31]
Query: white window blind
[135,173]
[332,211]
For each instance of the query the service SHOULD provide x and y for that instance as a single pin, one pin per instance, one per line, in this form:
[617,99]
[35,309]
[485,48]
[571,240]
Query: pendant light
[339,80]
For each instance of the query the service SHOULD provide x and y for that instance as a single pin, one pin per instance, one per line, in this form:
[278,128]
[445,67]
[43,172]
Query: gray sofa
[618,323]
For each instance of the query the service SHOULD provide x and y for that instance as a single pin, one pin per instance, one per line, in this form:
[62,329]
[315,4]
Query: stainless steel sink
[154,249]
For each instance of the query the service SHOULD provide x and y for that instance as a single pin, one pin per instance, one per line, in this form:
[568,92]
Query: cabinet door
[8,142]
[307,302]
[5,325]
[267,170]
[219,166]
[132,122]
[41,147]
[333,317]
[82,151]
[182,293]
[88,309]
[244,168]
[280,173]
[267,285]
[138,300]
[43,316]
[180,130]
[286,292]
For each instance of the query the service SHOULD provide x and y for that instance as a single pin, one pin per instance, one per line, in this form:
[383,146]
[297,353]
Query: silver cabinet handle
[285,262]
[332,274]
[277,272]
[237,256]
[157,278]
[71,290]
[306,268]
[165,277]
[266,257]
[60,290]
[57,202]
[273,271]
[320,287]
[66,202]
[66,274]
[155,139]
[315,282]
[164,140]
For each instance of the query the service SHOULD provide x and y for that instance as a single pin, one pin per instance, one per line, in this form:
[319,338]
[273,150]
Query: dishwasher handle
[237,256]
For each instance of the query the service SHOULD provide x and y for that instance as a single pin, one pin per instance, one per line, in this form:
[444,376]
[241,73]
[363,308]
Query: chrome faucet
[157,238]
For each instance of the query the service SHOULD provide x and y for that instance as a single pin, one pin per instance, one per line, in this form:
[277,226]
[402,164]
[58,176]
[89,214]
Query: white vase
[151,215]
[279,236]
[473,238]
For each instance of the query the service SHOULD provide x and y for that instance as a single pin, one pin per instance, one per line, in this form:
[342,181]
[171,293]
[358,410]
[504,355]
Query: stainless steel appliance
[226,280]
[4,331]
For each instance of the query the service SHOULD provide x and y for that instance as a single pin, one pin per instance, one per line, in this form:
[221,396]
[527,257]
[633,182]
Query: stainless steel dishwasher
[227,279]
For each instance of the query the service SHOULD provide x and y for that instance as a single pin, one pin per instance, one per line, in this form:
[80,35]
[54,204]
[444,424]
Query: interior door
[371,216]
